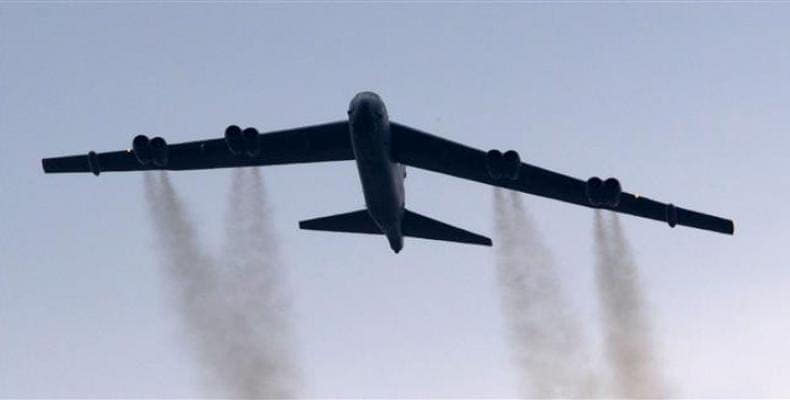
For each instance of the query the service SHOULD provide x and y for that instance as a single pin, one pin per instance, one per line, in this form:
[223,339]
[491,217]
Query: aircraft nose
[364,102]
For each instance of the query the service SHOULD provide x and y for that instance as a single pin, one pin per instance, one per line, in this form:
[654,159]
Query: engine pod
[512,164]
[141,147]
[252,143]
[159,152]
[593,191]
[234,140]
[495,164]
[610,192]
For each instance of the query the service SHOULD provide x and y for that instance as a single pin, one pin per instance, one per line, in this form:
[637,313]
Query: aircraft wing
[325,142]
[422,150]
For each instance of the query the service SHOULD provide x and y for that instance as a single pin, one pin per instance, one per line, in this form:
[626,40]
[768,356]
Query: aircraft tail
[413,225]
[353,222]
[419,226]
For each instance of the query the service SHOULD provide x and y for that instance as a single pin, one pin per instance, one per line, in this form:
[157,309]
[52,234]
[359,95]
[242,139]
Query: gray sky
[684,103]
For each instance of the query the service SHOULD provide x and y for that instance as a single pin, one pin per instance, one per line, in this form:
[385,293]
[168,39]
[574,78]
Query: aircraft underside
[381,150]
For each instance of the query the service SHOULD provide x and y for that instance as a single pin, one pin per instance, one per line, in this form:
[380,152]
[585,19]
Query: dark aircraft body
[381,149]
[382,179]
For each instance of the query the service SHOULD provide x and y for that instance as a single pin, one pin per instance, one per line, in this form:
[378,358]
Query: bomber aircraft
[382,149]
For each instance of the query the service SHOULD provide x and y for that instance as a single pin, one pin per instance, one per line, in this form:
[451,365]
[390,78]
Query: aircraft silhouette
[381,149]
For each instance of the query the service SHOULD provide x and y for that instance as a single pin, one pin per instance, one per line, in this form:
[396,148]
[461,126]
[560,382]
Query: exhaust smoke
[544,334]
[235,310]
[626,331]
[257,300]
[191,273]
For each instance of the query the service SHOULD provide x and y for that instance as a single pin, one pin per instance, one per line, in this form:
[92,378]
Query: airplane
[382,149]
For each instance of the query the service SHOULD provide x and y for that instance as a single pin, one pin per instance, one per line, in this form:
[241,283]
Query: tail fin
[413,225]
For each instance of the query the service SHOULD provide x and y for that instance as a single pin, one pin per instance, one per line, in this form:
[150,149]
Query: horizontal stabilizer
[419,226]
[354,222]
[413,225]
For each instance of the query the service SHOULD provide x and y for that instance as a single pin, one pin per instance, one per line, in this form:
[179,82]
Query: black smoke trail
[626,331]
[547,342]
[256,295]
[192,274]
[235,310]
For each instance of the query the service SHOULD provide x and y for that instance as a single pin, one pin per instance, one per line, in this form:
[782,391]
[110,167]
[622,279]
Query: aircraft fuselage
[381,178]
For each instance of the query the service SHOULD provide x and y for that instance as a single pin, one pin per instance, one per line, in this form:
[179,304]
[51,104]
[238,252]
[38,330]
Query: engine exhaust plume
[257,299]
[234,310]
[190,273]
[544,334]
[626,330]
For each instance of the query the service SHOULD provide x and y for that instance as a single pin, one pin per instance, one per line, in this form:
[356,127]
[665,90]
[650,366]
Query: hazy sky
[684,103]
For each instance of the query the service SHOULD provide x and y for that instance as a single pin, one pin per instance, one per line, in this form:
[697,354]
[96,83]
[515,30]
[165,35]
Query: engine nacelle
[593,191]
[252,143]
[495,164]
[142,149]
[611,192]
[159,152]
[512,164]
[603,193]
[234,140]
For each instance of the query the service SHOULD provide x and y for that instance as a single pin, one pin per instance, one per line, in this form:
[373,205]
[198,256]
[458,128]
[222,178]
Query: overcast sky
[684,103]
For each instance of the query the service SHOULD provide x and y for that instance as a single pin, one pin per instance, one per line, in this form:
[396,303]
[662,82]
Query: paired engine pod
[512,164]
[495,164]
[603,193]
[142,149]
[234,140]
[159,152]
